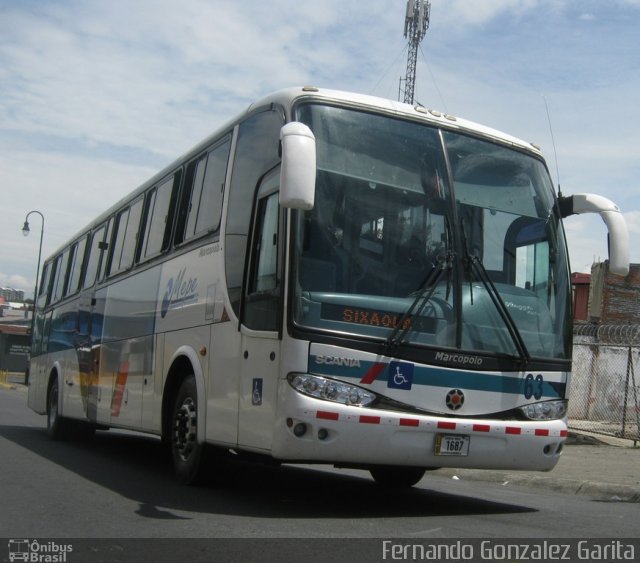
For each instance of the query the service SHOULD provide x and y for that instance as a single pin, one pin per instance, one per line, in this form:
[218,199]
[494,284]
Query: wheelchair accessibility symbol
[400,375]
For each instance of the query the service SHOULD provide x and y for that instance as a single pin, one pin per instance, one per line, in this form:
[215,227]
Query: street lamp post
[25,232]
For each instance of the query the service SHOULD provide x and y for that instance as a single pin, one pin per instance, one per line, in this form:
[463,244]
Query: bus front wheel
[186,451]
[394,477]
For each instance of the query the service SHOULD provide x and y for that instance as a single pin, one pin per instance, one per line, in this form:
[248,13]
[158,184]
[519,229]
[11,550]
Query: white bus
[329,278]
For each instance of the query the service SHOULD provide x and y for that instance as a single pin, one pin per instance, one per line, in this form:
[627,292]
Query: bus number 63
[533,387]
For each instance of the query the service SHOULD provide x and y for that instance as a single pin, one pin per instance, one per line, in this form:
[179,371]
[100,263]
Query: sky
[96,96]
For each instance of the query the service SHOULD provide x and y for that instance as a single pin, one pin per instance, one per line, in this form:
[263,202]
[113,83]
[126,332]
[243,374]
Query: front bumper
[335,433]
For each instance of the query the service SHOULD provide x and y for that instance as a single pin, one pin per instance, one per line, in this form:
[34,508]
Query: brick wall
[614,299]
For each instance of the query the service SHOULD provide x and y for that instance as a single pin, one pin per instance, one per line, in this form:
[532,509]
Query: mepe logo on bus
[179,292]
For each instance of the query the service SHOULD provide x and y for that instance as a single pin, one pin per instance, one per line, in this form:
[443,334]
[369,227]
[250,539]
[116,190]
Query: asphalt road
[120,485]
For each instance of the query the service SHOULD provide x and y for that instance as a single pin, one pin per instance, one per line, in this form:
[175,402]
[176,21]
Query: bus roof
[287,98]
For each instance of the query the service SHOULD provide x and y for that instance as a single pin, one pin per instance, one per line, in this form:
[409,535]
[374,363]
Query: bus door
[261,321]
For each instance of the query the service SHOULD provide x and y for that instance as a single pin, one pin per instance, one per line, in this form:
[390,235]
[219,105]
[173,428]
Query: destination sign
[375,317]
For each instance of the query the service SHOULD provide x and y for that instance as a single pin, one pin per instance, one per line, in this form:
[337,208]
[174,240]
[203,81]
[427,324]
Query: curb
[586,438]
[607,492]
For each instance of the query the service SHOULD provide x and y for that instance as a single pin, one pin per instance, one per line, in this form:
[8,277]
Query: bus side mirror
[298,169]
[613,219]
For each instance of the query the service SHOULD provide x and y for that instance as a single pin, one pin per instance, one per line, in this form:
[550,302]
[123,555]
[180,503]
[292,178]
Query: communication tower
[416,24]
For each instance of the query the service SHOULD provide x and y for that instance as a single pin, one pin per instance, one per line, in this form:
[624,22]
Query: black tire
[57,427]
[393,477]
[186,452]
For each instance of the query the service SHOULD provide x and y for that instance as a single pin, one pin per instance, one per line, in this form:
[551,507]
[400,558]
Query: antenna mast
[416,24]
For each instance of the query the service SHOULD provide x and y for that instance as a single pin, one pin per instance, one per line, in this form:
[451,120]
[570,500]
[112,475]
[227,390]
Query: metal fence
[605,387]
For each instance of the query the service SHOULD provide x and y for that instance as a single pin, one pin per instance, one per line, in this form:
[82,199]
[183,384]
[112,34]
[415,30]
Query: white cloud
[68,190]
[477,12]
[96,96]
[12,280]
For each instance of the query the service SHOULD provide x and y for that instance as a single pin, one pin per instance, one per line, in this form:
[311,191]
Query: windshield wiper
[423,295]
[500,305]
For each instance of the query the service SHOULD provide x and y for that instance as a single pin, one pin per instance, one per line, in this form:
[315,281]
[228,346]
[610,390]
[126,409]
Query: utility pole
[416,24]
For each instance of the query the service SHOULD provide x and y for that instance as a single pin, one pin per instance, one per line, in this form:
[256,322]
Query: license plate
[452,444]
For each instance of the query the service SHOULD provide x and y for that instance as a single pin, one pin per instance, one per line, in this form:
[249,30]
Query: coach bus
[329,278]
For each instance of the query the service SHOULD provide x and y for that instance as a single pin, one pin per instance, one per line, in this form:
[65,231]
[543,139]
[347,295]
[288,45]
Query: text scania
[336,361]
[179,292]
[462,359]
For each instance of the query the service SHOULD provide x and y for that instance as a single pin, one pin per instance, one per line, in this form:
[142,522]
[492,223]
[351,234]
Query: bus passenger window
[131,236]
[128,223]
[61,273]
[158,219]
[75,268]
[196,171]
[93,260]
[44,285]
[210,206]
[116,249]
[105,247]
[203,203]
[53,281]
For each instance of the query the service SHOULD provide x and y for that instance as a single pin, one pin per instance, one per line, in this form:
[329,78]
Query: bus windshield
[425,237]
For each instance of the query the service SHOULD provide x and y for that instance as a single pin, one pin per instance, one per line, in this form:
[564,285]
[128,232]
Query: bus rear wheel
[394,477]
[62,428]
[186,451]
[56,425]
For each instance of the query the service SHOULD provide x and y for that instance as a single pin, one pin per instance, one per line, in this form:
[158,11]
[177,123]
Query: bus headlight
[547,410]
[330,390]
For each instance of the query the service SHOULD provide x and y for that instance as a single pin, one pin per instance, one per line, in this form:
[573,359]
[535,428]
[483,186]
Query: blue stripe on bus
[438,377]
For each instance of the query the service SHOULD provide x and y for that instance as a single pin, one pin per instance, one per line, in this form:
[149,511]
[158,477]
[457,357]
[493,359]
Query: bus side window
[261,311]
[73,249]
[201,205]
[210,205]
[104,255]
[75,268]
[45,284]
[191,198]
[55,268]
[62,264]
[130,246]
[120,227]
[159,210]
[265,276]
[256,153]
[93,259]
[125,238]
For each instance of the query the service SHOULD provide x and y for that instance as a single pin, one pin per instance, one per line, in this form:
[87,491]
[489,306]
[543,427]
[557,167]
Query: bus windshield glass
[426,237]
